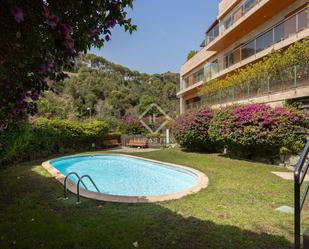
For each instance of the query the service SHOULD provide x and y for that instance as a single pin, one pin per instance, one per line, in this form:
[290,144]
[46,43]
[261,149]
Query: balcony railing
[283,79]
[241,10]
[281,31]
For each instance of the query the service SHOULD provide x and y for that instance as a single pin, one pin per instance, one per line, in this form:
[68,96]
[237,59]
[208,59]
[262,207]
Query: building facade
[244,32]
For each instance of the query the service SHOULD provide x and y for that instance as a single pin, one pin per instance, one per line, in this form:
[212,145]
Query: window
[264,41]
[238,13]
[236,55]
[279,33]
[228,22]
[249,4]
[303,20]
[290,27]
[228,60]
[199,76]
[216,31]
[248,50]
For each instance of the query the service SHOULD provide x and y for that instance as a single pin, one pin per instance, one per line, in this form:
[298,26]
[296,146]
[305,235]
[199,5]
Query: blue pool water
[123,175]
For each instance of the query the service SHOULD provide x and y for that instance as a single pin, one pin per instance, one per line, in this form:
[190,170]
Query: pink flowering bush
[132,126]
[259,130]
[191,130]
[39,39]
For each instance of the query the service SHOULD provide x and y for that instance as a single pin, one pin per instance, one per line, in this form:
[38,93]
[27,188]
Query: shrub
[132,126]
[259,130]
[45,137]
[191,130]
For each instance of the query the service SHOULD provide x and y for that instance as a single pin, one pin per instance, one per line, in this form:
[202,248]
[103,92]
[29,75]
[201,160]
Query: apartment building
[244,32]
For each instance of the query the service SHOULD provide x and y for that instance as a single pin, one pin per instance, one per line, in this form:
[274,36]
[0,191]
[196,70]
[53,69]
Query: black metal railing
[299,177]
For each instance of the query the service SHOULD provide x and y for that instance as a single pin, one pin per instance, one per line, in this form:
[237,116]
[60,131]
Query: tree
[191,54]
[42,37]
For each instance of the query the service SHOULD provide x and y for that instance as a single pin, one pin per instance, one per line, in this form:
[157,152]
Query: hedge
[248,131]
[46,137]
[191,130]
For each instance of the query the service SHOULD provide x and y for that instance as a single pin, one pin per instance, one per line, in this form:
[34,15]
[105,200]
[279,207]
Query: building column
[182,105]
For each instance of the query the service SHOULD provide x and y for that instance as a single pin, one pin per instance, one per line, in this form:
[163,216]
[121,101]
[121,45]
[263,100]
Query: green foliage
[191,130]
[131,125]
[253,74]
[42,38]
[191,54]
[259,130]
[249,131]
[110,90]
[46,137]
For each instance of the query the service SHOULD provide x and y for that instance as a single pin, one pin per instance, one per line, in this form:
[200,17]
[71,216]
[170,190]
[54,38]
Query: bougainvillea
[259,130]
[40,38]
[191,130]
[132,126]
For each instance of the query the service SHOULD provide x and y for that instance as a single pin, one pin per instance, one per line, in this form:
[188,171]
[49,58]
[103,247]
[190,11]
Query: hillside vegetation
[109,90]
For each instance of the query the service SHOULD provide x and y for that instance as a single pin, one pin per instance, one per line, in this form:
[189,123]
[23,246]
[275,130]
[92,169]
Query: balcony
[287,83]
[226,5]
[281,34]
[245,17]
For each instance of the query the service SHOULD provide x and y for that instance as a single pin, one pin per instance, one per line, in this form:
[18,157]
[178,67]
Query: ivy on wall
[270,66]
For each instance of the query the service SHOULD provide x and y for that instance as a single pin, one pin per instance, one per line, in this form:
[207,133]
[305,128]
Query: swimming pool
[124,178]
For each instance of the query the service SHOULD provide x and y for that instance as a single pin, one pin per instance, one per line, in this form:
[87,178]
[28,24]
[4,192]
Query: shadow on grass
[33,214]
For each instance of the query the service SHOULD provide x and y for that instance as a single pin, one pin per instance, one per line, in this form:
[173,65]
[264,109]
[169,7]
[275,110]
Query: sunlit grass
[236,210]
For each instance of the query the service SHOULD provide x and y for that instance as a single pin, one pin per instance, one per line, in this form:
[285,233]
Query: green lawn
[236,210]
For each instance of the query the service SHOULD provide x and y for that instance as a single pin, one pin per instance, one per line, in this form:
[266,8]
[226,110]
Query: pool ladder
[80,180]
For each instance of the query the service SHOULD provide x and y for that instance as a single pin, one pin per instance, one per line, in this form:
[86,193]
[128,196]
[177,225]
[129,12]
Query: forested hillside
[109,90]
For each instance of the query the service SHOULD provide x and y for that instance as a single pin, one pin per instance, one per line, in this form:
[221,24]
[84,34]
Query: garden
[55,101]
[255,131]
[236,210]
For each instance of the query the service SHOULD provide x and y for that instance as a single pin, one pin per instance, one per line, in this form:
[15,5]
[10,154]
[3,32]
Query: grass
[236,210]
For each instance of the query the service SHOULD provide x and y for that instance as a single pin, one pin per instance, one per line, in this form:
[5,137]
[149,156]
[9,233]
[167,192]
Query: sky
[166,31]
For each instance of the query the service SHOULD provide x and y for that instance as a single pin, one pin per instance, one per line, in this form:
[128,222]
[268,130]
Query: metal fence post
[295,76]
[296,213]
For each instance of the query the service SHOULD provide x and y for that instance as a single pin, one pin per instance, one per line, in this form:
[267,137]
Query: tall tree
[42,37]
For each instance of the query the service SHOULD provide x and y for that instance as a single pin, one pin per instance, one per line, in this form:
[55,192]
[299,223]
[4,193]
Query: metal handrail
[80,180]
[65,182]
[299,177]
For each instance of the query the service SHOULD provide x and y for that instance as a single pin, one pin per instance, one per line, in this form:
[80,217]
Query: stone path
[288,175]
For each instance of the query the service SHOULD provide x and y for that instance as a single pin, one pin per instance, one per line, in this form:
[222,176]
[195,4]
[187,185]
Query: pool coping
[72,186]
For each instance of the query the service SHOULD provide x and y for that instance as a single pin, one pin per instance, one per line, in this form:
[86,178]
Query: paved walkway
[288,175]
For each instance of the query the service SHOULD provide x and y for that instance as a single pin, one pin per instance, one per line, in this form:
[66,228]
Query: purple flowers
[65,29]
[248,130]
[18,14]
[191,129]
[107,38]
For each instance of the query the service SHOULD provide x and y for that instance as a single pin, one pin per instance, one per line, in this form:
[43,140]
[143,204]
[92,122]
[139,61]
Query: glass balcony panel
[216,31]
[227,22]
[264,41]
[228,60]
[290,27]
[303,20]
[238,13]
[249,4]
[248,50]
[279,33]
[236,55]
